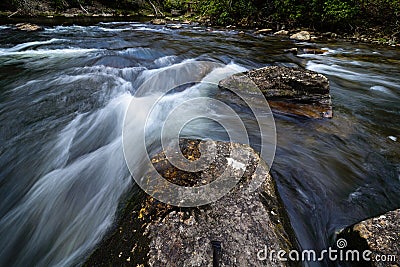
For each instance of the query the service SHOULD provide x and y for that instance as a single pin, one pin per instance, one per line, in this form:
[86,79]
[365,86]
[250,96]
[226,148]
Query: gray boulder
[240,224]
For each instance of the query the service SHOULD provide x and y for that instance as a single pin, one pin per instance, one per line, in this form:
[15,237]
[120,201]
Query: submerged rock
[288,90]
[241,223]
[380,235]
[28,27]
[301,36]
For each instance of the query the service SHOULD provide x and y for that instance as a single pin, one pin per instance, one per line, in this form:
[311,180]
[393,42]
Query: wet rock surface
[381,235]
[289,90]
[151,233]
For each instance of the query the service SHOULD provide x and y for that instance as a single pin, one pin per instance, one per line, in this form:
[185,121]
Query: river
[64,92]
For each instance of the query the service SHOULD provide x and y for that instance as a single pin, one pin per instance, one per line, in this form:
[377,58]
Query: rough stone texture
[381,235]
[301,36]
[289,90]
[156,234]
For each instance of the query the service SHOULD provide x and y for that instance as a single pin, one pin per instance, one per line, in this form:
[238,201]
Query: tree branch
[15,13]
[79,2]
[155,9]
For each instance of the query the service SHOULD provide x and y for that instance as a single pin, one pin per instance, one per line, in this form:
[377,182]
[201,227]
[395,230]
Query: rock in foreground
[288,90]
[381,235]
[241,223]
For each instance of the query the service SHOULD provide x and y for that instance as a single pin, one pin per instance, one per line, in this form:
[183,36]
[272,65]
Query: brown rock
[288,90]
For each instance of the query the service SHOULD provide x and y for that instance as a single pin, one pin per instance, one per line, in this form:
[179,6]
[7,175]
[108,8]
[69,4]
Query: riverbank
[100,13]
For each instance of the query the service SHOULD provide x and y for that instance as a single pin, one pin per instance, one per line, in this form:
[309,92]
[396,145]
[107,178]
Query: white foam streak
[67,52]
[30,44]
[69,209]
[341,72]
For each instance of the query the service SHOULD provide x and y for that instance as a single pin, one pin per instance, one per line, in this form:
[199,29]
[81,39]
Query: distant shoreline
[65,18]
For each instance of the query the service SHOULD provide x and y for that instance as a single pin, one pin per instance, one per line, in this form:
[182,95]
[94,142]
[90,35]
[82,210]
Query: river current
[64,93]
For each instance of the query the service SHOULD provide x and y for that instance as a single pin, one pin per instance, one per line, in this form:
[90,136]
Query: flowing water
[64,93]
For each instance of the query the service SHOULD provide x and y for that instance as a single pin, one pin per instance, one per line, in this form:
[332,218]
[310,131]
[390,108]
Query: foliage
[227,11]
[174,4]
[337,11]
[319,14]
[381,12]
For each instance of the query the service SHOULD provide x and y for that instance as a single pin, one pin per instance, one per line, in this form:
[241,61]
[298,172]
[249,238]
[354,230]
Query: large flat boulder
[290,90]
[380,235]
[231,230]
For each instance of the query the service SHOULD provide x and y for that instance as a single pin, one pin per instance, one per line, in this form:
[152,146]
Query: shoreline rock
[301,36]
[156,234]
[289,90]
[380,235]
